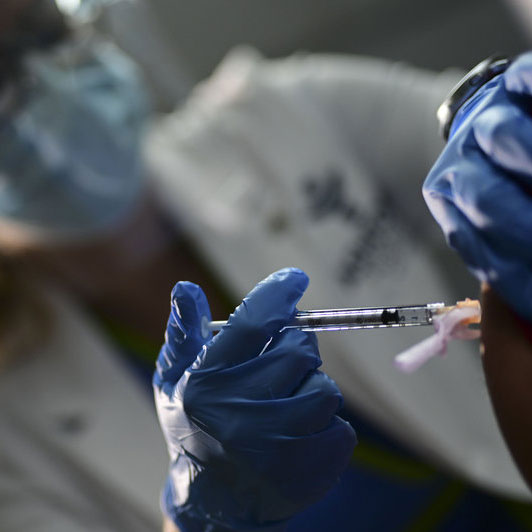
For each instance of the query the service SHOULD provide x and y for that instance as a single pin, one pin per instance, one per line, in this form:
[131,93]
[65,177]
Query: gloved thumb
[186,333]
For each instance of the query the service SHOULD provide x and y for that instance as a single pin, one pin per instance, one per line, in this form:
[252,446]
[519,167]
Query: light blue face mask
[70,153]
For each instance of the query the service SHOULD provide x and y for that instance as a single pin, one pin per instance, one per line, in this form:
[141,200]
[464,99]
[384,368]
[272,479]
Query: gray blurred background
[429,33]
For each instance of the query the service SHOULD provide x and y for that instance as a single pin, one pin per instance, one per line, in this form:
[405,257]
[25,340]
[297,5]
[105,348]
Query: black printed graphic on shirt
[376,244]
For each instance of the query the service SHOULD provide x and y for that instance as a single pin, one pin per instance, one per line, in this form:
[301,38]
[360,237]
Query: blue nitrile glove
[480,189]
[249,422]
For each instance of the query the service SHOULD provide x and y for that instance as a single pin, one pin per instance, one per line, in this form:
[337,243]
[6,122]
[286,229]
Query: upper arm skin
[507,360]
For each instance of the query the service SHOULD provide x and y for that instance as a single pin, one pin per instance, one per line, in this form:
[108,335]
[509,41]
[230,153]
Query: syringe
[362,318]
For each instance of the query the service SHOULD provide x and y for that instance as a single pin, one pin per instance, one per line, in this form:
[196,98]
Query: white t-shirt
[317,162]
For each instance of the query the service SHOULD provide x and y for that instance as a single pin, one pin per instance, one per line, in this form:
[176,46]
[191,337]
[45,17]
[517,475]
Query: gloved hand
[249,421]
[480,189]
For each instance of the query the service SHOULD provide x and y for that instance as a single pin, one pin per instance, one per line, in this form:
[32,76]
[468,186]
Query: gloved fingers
[492,202]
[316,461]
[504,133]
[336,443]
[239,422]
[460,233]
[277,372]
[185,334]
[490,261]
[518,76]
[273,375]
[311,407]
[287,361]
[260,317]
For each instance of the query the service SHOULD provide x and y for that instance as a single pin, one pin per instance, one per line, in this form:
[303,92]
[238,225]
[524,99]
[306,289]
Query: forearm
[507,359]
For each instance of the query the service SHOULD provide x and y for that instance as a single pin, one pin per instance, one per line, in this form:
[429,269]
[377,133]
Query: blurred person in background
[80,447]
[322,195]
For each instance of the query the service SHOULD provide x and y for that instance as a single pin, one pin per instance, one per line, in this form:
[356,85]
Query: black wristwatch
[467,86]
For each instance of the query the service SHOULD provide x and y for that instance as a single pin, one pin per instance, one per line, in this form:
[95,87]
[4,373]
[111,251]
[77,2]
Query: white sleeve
[384,111]
[258,126]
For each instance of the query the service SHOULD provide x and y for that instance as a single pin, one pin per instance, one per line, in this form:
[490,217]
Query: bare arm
[507,359]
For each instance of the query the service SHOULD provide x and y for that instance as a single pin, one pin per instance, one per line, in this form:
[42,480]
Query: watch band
[467,86]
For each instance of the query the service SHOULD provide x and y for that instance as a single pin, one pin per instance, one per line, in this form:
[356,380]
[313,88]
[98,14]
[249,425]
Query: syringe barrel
[363,318]
[357,318]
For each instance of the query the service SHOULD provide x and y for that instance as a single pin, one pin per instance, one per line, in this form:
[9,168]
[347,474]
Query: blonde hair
[24,319]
